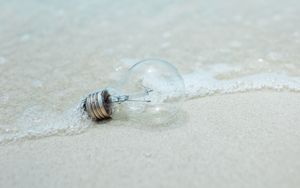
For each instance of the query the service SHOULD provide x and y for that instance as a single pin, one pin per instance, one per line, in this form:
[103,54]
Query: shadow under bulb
[152,91]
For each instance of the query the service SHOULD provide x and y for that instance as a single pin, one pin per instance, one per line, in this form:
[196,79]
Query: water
[53,53]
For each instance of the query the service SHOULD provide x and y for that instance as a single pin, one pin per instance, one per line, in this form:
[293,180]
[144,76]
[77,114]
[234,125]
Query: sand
[236,140]
[239,126]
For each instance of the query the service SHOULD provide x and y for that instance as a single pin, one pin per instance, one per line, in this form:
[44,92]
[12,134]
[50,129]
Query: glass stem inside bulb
[132,97]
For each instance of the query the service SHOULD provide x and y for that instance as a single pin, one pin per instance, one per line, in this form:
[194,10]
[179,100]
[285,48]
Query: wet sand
[237,140]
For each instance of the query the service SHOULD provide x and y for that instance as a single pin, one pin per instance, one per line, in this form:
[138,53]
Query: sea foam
[204,83]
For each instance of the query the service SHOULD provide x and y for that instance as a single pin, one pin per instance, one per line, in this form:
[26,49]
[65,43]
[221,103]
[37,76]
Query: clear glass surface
[151,92]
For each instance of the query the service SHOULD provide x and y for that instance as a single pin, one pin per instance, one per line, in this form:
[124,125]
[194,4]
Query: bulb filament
[132,98]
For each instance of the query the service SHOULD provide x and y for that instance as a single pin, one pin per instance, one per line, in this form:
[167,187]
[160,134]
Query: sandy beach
[238,140]
[239,124]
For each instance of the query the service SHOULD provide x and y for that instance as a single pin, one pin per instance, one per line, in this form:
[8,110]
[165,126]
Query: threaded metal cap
[98,105]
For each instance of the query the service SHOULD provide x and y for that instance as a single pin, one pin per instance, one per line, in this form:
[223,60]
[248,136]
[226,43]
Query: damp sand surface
[238,140]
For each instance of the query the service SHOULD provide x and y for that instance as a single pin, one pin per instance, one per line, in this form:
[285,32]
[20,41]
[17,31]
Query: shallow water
[52,53]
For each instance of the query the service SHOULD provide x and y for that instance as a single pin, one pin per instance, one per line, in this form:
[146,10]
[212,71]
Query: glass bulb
[152,91]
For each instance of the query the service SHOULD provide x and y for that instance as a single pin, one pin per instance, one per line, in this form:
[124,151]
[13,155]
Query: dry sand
[237,140]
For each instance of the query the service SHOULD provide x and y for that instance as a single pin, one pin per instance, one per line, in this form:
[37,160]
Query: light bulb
[152,91]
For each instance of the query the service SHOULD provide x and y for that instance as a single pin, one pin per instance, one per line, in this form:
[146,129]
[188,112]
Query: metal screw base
[98,105]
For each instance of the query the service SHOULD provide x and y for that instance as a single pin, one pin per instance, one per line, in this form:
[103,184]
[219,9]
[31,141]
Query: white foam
[203,83]
[36,122]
